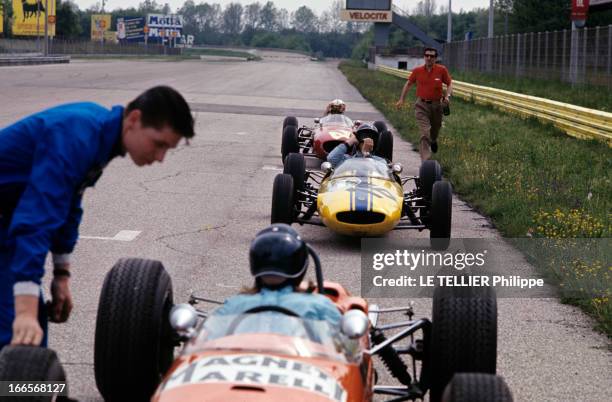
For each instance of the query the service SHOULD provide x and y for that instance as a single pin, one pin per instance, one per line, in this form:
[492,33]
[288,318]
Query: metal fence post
[584,53]
[546,50]
[518,52]
[596,58]
[609,54]
[563,52]
[555,41]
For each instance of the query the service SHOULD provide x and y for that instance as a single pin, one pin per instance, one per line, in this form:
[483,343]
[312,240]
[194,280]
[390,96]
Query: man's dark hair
[163,106]
[430,49]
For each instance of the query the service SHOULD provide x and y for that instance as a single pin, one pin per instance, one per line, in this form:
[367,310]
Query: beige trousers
[429,120]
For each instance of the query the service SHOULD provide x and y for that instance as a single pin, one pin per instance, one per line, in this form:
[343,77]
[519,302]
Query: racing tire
[463,335]
[296,167]
[282,199]
[289,142]
[30,363]
[429,173]
[290,121]
[134,342]
[477,387]
[441,215]
[384,149]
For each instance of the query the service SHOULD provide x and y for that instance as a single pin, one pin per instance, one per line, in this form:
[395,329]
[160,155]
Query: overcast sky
[290,5]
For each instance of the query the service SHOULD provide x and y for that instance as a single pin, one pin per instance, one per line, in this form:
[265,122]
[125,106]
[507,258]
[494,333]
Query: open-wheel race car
[280,356]
[364,197]
[326,133]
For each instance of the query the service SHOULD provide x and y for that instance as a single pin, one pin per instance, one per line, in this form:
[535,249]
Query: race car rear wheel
[429,173]
[282,199]
[296,167]
[441,215]
[384,149]
[290,121]
[134,341]
[30,363]
[477,387]
[289,142]
[463,336]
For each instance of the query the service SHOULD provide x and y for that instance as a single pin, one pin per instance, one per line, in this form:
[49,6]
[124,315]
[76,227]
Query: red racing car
[328,132]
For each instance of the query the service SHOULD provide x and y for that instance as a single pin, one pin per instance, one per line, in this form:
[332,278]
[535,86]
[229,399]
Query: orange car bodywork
[244,363]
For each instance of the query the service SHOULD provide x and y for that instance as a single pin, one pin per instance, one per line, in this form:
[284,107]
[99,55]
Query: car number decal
[260,370]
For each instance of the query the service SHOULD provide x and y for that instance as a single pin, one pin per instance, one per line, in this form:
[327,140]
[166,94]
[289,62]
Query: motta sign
[366,16]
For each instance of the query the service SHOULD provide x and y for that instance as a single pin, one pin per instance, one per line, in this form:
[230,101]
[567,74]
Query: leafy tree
[267,17]
[304,20]
[68,24]
[252,15]
[232,19]
[540,15]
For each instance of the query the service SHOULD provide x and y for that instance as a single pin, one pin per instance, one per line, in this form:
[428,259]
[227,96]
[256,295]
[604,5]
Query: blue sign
[130,29]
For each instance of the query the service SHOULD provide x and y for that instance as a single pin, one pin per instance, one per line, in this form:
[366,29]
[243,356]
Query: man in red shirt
[430,100]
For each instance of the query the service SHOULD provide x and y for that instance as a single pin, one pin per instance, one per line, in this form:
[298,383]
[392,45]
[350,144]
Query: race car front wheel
[30,363]
[290,121]
[477,387]
[133,341]
[429,173]
[441,215]
[296,167]
[384,149]
[289,142]
[463,336]
[282,199]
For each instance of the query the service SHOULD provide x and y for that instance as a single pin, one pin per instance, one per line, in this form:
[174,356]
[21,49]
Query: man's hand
[367,147]
[352,141]
[398,104]
[26,329]
[61,300]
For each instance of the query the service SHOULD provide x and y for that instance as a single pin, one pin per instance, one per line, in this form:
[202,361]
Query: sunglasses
[433,56]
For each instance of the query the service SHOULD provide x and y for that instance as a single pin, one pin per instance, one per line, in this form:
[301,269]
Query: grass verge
[531,179]
[593,97]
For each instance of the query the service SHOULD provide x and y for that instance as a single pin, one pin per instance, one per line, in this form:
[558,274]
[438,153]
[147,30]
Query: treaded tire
[290,121]
[441,215]
[133,341]
[429,173]
[282,199]
[30,363]
[384,149]
[464,335]
[296,167]
[477,387]
[289,142]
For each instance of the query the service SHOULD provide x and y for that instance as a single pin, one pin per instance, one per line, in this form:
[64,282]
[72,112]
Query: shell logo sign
[29,17]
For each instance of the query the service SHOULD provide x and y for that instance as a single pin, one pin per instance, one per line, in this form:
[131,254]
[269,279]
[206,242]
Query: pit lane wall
[579,122]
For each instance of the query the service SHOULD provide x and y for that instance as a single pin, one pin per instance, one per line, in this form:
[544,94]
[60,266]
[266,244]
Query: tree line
[262,24]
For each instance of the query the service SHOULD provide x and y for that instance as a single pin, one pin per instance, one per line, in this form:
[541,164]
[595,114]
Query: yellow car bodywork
[362,198]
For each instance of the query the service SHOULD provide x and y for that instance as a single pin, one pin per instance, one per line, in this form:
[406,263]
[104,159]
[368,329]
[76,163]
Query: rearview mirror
[183,319]
[326,167]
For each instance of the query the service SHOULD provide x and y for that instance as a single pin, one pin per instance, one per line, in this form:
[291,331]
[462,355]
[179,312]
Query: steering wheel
[277,309]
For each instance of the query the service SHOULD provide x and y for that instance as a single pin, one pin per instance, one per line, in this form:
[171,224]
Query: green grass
[531,179]
[594,97]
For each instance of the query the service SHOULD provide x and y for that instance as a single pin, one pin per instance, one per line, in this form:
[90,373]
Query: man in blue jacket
[46,162]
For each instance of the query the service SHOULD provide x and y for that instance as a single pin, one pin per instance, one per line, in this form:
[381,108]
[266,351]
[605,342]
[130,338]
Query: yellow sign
[110,36]
[366,15]
[1,18]
[100,23]
[29,17]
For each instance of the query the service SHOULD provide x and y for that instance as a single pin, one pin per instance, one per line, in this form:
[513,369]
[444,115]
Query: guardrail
[579,122]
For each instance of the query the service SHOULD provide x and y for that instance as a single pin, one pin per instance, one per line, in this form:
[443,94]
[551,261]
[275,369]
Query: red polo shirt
[429,83]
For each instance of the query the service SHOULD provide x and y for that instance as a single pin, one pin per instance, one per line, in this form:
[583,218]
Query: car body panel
[327,137]
[360,202]
[271,367]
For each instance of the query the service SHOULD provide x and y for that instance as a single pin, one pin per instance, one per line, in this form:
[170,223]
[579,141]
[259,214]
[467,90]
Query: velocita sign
[580,10]
[367,11]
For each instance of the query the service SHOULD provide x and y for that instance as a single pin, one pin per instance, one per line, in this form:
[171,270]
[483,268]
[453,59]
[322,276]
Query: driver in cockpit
[278,259]
[365,138]
[337,106]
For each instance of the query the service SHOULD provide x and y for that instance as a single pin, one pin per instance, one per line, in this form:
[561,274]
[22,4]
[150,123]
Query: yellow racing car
[364,197]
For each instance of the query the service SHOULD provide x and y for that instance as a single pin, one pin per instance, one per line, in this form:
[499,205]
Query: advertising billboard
[130,29]
[100,23]
[380,5]
[162,26]
[1,19]
[29,17]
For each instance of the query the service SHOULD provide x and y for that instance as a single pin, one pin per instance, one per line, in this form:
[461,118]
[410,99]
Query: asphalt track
[198,211]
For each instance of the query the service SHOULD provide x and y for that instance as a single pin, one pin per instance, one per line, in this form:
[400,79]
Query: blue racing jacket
[46,162]
[339,155]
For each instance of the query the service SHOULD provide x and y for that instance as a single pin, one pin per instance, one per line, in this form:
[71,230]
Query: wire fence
[580,56]
[80,47]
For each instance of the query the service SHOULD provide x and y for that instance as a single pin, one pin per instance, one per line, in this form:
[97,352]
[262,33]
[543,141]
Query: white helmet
[337,106]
